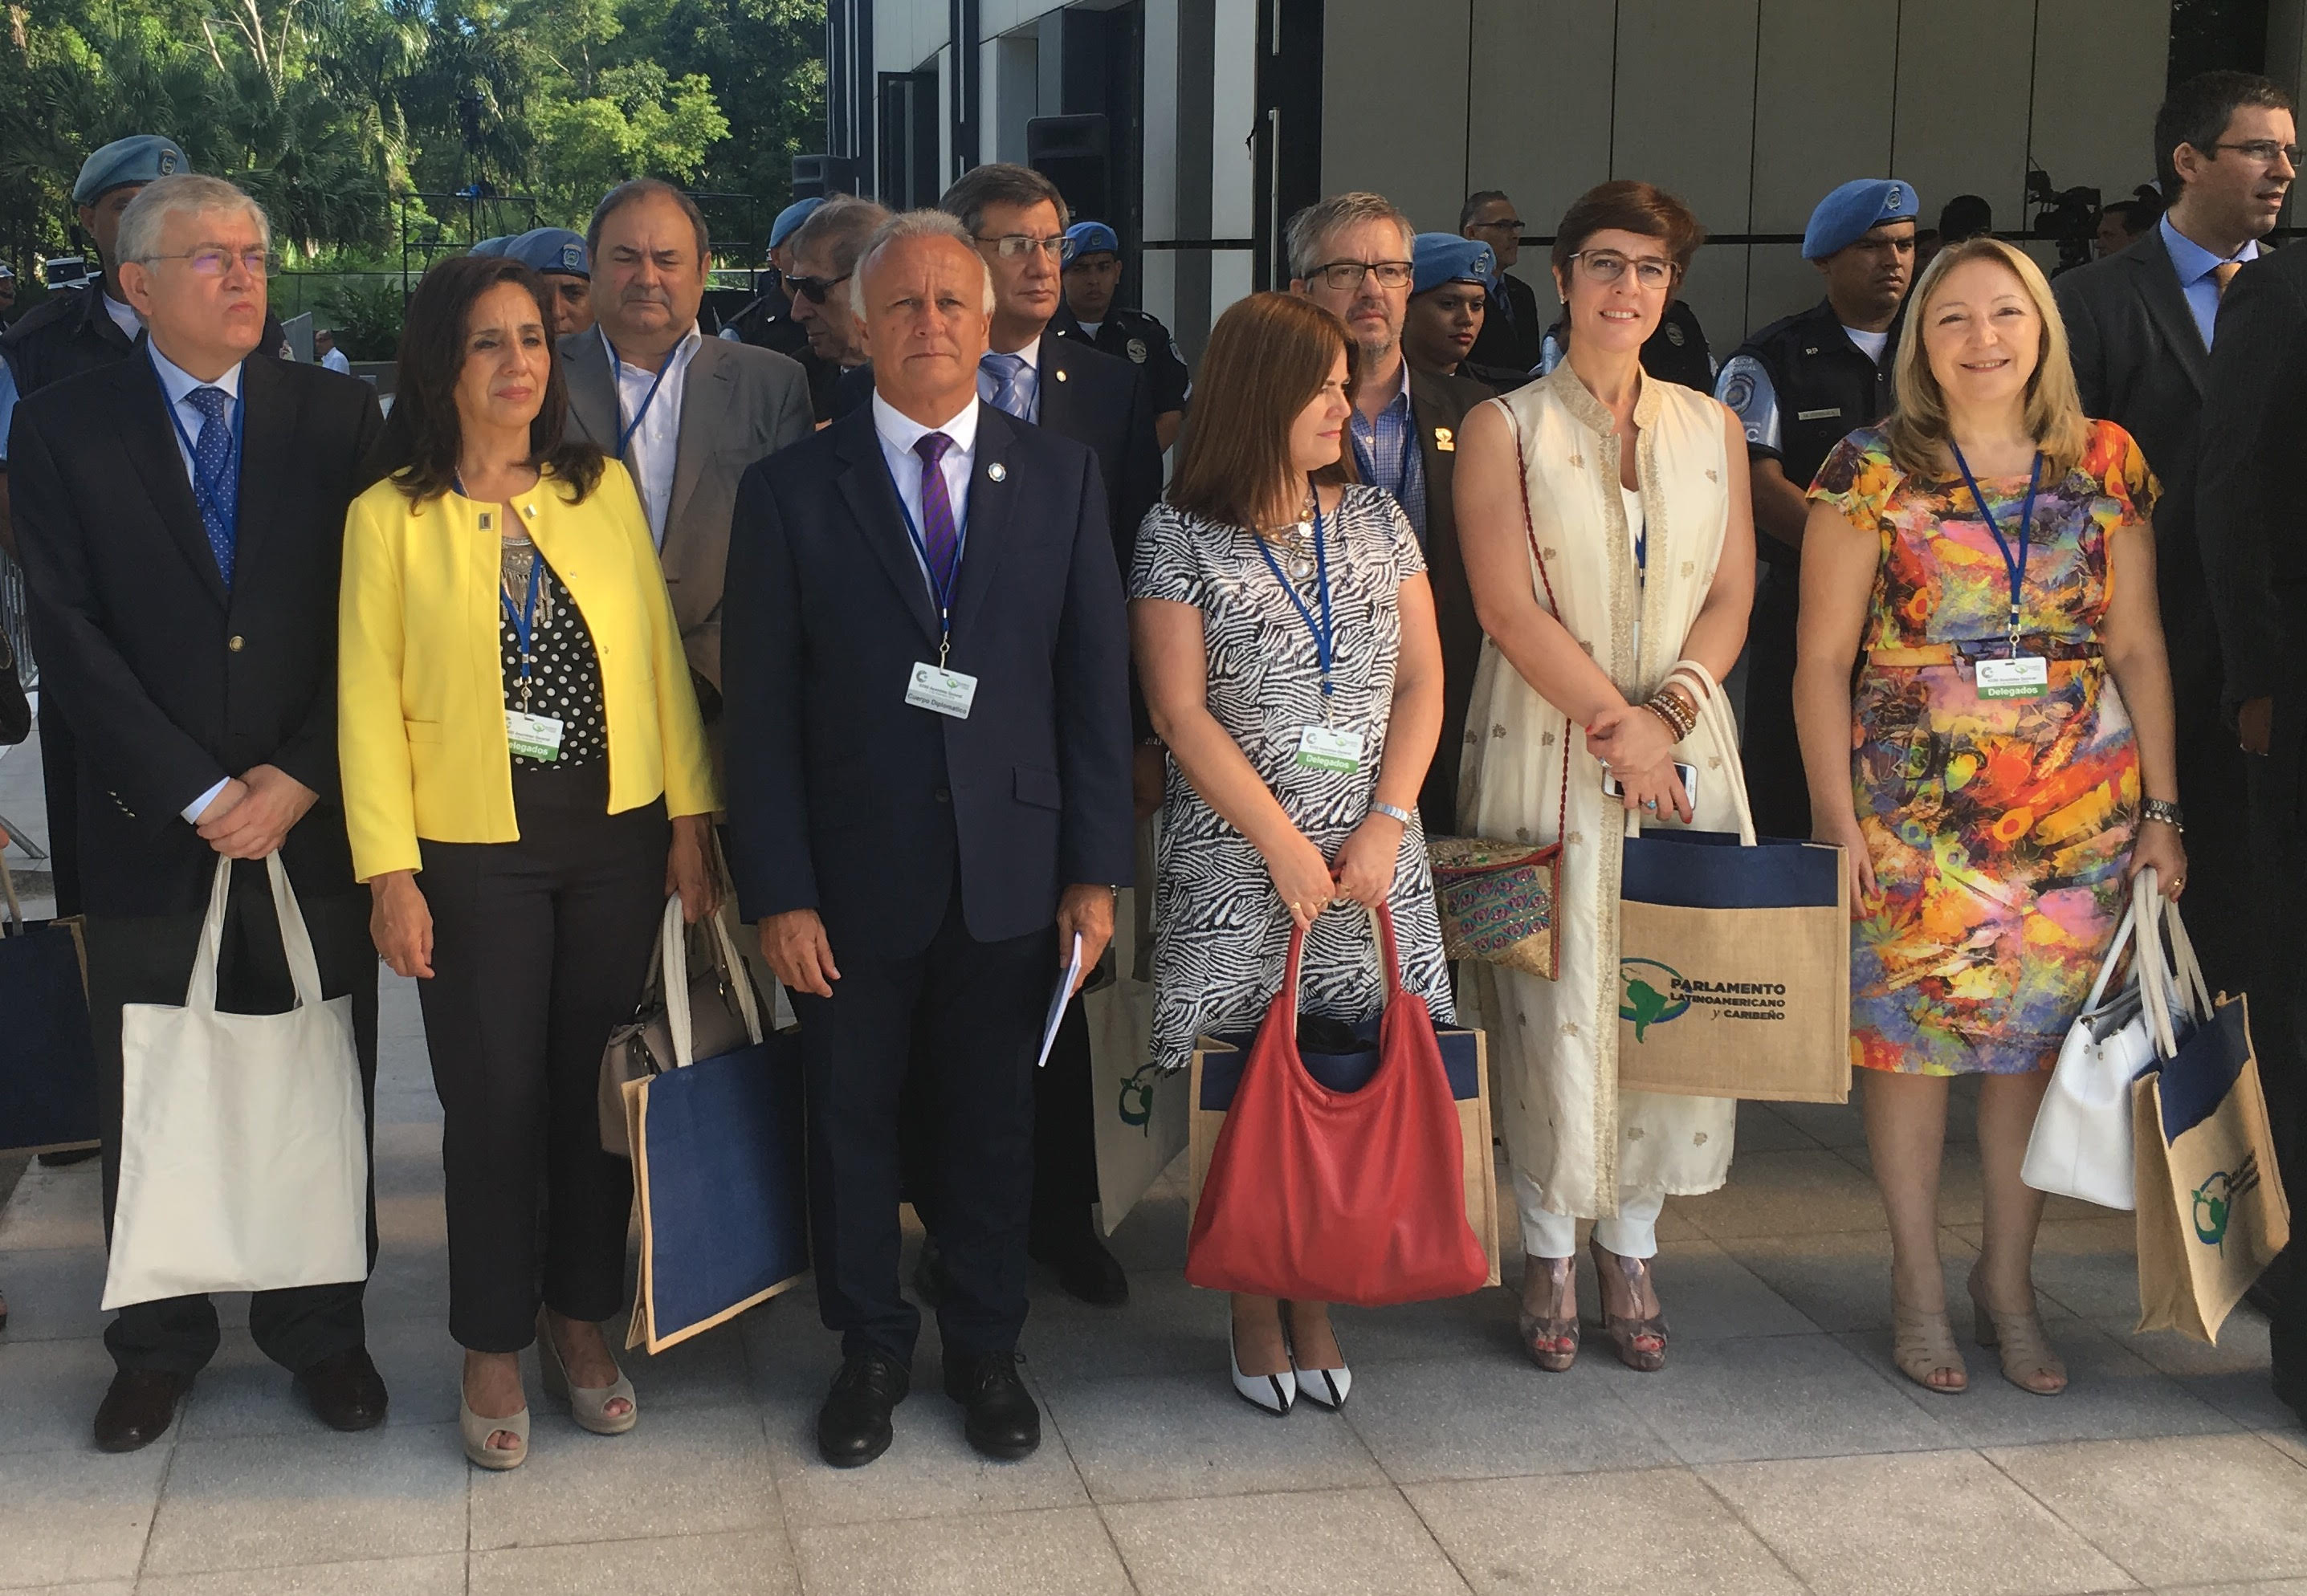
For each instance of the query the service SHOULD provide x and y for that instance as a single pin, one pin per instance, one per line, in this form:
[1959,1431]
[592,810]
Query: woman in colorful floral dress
[2005,769]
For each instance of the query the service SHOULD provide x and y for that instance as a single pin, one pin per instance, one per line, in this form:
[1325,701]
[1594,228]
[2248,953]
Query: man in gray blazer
[685,413]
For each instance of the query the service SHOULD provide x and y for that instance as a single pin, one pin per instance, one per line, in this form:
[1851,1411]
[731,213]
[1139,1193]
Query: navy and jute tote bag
[47,1057]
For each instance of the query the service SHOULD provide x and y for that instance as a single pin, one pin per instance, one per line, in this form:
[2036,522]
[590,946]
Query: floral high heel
[1640,1341]
[1551,1338]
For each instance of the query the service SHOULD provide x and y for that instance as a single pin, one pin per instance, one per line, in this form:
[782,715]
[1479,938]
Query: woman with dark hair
[515,722]
[1285,633]
[1608,541]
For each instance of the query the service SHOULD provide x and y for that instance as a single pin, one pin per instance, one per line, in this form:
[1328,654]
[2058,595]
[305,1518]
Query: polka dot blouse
[564,673]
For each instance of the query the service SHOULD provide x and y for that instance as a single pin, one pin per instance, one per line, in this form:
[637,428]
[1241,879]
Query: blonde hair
[1918,429]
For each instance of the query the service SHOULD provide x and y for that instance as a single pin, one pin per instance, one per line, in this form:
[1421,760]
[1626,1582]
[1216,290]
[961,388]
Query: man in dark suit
[1511,327]
[929,764]
[2142,327]
[1354,255]
[180,514]
[2254,434]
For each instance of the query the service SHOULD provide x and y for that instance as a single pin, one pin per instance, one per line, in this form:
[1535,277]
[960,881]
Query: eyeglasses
[1511,224]
[1344,275]
[215,262]
[1607,266]
[1011,246]
[2265,150]
[817,290]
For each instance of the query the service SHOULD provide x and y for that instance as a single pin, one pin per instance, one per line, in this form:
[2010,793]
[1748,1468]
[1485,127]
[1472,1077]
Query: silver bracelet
[1391,813]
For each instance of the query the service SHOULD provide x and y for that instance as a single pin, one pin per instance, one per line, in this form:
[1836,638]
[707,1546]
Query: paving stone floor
[1779,1452]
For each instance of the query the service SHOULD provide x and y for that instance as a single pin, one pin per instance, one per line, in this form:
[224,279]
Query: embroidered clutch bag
[1495,900]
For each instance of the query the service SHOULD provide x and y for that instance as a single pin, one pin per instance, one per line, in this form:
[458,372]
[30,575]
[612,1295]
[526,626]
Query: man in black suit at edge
[927,674]
[2141,326]
[180,515]
[2253,437]
[1016,219]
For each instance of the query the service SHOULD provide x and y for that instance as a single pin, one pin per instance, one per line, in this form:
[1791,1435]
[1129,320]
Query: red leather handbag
[1339,1196]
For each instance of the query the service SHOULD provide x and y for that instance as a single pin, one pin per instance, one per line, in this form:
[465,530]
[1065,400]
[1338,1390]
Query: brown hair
[1918,429]
[1629,207]
[636,189]
[422,437]
[1267,357]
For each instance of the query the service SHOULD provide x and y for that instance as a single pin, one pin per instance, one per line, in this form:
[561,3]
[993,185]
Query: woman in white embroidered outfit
[1632,491]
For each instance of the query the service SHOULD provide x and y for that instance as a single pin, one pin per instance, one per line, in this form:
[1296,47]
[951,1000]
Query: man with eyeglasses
[74,330]
[182,516]
[1355,255]
[2140,325]
[1510,327]
[1800,387]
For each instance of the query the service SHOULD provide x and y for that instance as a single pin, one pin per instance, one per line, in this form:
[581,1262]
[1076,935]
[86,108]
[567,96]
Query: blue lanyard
[1324,631]
[2016,564]
[625,431]
[210,495]
[942,592]
[524,620]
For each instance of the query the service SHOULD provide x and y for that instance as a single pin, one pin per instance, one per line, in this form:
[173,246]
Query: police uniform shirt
[1802,385]
[1142,340]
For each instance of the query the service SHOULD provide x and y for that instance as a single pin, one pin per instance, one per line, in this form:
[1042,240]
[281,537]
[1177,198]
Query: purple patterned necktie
[938,543]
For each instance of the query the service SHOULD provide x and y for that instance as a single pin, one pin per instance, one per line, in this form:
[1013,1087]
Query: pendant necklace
[1295,544]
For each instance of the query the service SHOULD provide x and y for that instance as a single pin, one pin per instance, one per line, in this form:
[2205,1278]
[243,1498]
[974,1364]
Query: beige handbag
[724,1009]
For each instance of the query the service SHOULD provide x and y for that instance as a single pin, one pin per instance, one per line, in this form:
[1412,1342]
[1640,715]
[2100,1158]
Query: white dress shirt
[655,443]
[1029,380]
[177,384]
[336,360]
[123,315]
[898,432]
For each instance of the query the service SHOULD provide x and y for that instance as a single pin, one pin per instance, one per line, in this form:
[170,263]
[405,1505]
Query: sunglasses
[817,290]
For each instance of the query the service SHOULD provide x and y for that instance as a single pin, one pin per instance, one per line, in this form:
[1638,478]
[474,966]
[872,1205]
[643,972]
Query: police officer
[1089,315]
[1452,289]
[1800,386]
[492,246]
[559,256]
[71,331]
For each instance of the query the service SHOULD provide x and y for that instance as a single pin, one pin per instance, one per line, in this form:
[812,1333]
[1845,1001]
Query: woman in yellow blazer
[525,780]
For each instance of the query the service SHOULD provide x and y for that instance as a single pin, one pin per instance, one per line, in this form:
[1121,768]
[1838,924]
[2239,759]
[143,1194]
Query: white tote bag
[244,1158]
[2081,1145]
[1143,1115]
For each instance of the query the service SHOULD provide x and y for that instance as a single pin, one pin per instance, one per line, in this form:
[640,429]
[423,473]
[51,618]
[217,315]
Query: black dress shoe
[852,1427]
[344,1390]
[139,1408]
[1083,1265]
[1002,1421]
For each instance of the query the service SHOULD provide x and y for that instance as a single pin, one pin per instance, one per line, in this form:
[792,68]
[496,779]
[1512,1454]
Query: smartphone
[1688,775]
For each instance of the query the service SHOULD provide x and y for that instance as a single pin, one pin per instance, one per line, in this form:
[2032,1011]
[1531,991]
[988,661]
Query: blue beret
[491,247]
[551,249]
[1855,210]
[790,219]
[139,158]
[1441,258]
[1093,238]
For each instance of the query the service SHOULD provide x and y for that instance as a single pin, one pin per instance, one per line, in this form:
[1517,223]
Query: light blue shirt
[177,384]
[1029,382]
[2195,264]
[1386,452]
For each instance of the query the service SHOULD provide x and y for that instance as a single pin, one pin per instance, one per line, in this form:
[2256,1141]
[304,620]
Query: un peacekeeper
[71,331]
[768,323]
[1092,274]
[1453,283]
[492,246]
[559,256]
[1800,386]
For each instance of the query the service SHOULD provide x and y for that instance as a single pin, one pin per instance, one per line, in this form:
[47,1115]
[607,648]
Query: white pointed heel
[1268,1393]
[1323,1387]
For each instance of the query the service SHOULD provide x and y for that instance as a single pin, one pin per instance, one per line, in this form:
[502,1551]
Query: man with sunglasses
[1800,386]
[1355,255]
[824,251]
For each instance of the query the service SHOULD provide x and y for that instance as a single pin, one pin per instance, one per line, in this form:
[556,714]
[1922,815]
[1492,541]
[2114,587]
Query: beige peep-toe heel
[588,1405]
[2028,1360]
[1922,1345]
[476,1430]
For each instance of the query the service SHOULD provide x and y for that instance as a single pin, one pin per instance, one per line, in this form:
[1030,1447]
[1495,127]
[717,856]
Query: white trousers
[1632,1235]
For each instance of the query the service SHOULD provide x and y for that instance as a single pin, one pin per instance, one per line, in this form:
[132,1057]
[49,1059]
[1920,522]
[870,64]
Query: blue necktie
[216,485]
[1009,374]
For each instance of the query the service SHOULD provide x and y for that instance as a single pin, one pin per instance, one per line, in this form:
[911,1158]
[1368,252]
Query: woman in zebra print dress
[1264,539]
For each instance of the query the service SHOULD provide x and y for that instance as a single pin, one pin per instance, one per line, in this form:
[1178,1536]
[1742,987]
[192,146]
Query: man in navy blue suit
[926,668]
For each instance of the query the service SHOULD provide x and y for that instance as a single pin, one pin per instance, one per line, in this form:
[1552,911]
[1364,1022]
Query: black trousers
[150,960]
[60,791]
[540,947]
[1065,1132]
[1775,787]
[970,1013]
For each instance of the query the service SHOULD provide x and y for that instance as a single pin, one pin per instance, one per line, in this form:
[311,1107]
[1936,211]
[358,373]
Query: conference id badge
[2022,676]
[533,736]
[1321,749]
[947,692]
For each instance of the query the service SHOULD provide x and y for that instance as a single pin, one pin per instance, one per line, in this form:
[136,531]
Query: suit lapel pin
[997,472]
[1444,441]
[1059,373]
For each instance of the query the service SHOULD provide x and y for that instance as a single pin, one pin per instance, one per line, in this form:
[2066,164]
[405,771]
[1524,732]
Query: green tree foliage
[333,111]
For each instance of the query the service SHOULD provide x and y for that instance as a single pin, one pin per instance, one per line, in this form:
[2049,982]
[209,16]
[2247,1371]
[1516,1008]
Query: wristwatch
[2156,808]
